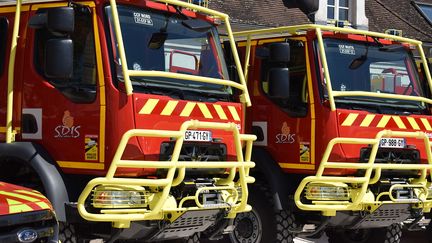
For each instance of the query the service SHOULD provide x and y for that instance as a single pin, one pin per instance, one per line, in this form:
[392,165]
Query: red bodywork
[298,144]
[17,199]
[68,130]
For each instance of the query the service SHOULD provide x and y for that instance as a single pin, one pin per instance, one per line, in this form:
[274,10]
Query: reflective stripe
[413,123]
[220,112]
[169,108]
[205,110]
[383,122]
[367,120]
[399,122]
[234,113]
[350,119]
[149,106]
[187,110]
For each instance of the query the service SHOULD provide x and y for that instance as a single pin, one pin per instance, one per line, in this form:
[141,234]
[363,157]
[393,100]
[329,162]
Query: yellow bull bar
[361,199]
[236,191]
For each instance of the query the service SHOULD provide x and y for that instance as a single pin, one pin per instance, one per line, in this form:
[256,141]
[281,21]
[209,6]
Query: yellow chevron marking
[169,108]
[399,122]
[204,109]
[234,113]
[17,207]
[43,205]
[383,122]
[413,123]
[187,110]
[220,112]
[350,119]
[367,120]
[16,195]
[34,194]
[426,124]
[149,106]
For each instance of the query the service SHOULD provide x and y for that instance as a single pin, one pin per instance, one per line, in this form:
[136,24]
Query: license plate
[199,136]
[392,143]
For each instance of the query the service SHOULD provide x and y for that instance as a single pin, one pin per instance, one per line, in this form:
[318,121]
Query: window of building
[426,10]
[3,42]
[338,9]
[81,88]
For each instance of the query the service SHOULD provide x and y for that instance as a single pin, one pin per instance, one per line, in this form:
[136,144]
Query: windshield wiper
[398,105]
[187,91]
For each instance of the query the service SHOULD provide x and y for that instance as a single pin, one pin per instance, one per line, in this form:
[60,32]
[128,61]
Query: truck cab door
[284,117]
[65,114]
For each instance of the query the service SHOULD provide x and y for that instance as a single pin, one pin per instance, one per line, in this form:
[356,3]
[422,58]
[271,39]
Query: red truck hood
[17,199]
[163,113]
[160,112]
[361,124]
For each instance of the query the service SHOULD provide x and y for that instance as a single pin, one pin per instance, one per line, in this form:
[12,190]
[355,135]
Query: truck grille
[196,152]
[393,156]
[43,223]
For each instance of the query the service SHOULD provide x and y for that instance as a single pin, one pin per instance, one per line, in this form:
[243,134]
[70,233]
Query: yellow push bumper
[330,194]
[138,199]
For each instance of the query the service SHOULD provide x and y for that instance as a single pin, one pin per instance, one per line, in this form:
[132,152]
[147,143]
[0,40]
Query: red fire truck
[122,113]
[26,216]
[343,123]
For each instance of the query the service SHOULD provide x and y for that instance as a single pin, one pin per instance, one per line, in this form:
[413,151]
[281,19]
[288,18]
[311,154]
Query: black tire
[264,223]
[67,233]
[391,234]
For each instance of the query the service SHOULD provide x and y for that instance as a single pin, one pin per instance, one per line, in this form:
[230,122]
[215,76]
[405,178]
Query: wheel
[391,234]
[264,223]
[67,233]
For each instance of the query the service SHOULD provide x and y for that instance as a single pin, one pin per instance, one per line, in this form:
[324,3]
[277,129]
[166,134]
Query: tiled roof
[382,14]
[258,13]
[398,14]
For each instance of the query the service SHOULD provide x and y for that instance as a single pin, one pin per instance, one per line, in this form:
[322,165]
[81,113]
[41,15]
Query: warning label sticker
[91,147]
[142,18]
[346,49]
[304,152]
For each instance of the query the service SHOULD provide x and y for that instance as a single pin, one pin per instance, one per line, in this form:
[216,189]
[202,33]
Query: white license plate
[392,143]
[199,136]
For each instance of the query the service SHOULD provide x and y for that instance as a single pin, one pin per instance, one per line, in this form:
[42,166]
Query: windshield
[155,41]
[371,67]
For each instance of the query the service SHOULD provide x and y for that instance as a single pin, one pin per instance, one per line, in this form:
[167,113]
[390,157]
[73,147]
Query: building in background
[410,18]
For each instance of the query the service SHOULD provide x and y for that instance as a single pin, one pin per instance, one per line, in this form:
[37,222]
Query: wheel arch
[266,168]
[36,157]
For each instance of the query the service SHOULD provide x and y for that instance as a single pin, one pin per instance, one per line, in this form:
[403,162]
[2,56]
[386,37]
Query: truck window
[296,105]
[81,88]
[3,42]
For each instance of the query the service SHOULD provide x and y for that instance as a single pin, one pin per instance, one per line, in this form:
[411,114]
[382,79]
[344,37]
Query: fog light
[118,198]
[327,191]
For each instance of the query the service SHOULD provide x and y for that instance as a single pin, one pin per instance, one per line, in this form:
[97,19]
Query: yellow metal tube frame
[123,217]
[359,201]
[202,9]
[10,137]
[299,29]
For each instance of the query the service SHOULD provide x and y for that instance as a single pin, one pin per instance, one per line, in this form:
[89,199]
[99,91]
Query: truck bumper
[125,200]
[333,195]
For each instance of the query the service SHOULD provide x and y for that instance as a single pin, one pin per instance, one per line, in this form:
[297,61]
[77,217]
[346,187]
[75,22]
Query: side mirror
[58,61]
[279,83]
[280,52]
[56,20]
[308,7]
[61,20]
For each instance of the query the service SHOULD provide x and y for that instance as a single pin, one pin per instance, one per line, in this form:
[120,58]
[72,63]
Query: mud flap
[187,224]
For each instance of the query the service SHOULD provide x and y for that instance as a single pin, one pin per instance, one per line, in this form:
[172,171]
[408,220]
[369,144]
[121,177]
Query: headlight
[327,191]
[104,197]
